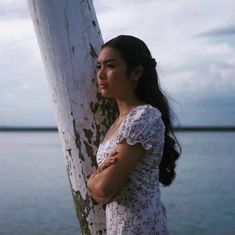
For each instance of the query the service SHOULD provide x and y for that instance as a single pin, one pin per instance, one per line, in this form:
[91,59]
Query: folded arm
[106,183]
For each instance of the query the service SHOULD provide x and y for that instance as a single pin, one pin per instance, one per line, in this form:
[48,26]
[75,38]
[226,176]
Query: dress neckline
[119,128]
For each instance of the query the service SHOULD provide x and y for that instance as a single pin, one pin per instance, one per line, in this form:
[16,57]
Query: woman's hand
[112,176]
[108,162]
[111,160]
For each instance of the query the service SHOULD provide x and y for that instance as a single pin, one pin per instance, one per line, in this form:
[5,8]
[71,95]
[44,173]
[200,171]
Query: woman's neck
[125,106]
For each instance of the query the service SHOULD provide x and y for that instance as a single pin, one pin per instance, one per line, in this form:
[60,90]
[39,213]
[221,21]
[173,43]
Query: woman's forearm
[96,195]
[96,179]
[94,183]
[102,200]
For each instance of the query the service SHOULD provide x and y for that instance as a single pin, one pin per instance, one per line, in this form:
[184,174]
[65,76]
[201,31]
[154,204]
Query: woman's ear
[137,73]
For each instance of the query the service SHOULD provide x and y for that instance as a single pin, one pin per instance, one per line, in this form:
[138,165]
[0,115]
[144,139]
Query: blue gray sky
[192,41]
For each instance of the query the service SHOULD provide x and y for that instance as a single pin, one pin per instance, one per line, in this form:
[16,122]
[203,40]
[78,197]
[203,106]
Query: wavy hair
[135,52]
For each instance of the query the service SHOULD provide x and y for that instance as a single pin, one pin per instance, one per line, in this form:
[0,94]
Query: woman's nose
[101,73]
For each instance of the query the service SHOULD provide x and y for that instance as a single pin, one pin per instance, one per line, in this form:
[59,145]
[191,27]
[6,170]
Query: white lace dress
[137,208]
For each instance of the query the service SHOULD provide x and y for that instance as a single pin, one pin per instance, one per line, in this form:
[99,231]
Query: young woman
[139,149]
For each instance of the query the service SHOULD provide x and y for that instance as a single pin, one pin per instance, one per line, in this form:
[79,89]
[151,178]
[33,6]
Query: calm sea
[35,196]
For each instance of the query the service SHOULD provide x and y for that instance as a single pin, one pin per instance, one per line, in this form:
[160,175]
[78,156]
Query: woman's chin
[105,94]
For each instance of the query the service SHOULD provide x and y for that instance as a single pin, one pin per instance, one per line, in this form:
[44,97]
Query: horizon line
[55,129]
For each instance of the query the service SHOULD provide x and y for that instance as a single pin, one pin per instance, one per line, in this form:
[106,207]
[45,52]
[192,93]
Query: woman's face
[112,75]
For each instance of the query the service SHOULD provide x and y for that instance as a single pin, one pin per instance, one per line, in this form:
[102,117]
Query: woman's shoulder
[143,125]
[141,117]
[145,112]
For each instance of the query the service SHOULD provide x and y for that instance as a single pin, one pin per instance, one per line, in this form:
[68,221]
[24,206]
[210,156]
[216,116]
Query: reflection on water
[35,194]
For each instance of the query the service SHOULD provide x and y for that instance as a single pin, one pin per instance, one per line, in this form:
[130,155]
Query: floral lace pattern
[137,208]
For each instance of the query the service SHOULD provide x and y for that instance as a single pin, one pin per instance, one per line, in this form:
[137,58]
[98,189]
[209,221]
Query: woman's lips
[103,86]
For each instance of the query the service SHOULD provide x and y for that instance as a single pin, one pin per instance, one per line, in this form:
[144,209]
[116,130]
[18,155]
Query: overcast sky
[193,43]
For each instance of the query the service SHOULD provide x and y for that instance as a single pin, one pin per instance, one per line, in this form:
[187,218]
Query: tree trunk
[69,38]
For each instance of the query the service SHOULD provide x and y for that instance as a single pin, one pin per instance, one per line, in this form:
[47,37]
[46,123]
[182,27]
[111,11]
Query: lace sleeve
[144,125]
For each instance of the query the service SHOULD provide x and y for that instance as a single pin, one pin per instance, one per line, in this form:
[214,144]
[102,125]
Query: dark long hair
[135,52]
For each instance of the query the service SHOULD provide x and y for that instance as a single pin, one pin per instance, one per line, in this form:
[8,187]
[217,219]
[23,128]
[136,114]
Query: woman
[139,148]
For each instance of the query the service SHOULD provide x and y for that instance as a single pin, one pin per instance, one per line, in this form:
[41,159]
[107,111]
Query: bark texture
[69,39]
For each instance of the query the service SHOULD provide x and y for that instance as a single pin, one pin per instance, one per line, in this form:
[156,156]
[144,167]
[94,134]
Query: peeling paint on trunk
[70,40]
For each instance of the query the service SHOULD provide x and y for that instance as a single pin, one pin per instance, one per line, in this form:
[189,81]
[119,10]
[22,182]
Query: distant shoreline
[204,128]
[177,129]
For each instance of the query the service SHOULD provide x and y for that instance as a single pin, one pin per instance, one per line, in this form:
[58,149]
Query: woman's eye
[98,67]
[110,65]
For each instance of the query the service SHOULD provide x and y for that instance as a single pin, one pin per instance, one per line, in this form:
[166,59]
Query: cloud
[207,75]
[12,9]
[222,35]
[229,30]
[192,42]
[24,93]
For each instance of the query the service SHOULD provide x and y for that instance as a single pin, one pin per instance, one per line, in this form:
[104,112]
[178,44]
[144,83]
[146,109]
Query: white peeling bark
[69,38]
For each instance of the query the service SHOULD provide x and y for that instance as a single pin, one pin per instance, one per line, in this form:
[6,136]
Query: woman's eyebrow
[107,61]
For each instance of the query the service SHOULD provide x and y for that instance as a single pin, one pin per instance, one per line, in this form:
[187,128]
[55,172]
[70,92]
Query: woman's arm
[105,184]
[97,199]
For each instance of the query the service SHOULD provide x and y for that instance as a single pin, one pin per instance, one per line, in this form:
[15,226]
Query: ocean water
[35,197]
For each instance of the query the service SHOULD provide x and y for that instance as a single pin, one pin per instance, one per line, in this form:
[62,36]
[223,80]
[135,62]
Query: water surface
[35,197]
